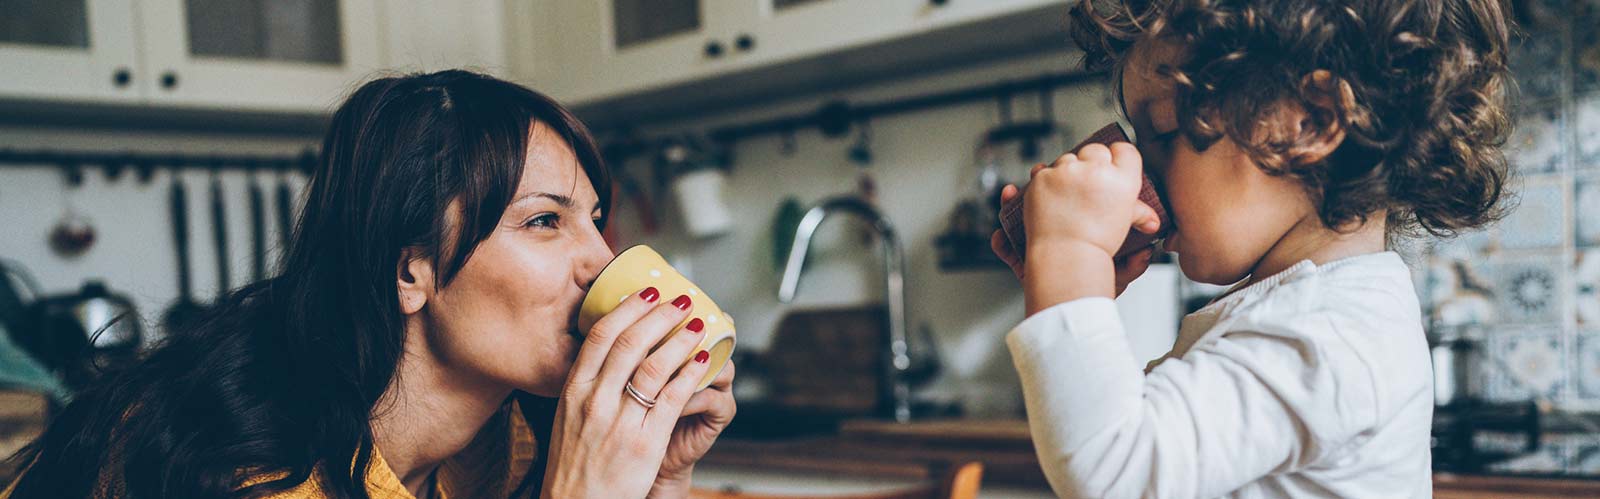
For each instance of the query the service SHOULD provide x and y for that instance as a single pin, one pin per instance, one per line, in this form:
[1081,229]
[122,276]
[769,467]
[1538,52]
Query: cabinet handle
[744,42]
[713,49]
[122,77]
[169,80]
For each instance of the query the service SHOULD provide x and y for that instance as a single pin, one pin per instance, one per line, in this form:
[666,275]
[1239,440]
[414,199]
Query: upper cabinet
[81,50]
[603,49]
[254,55]
[276,55]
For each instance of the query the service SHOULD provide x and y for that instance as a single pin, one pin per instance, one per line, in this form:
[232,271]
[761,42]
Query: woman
[420,341]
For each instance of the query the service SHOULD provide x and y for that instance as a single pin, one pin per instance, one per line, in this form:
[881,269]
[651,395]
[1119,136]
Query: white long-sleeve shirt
[1315,382]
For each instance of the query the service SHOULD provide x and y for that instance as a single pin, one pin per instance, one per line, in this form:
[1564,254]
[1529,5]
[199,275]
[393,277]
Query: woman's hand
[707,414]
[606,443]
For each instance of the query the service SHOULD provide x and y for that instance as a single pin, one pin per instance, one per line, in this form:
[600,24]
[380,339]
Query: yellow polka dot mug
[640,267]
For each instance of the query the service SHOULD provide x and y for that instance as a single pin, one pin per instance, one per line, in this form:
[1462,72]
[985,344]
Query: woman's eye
[543,220]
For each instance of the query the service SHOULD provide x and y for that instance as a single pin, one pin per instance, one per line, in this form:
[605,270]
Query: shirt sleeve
[1223,415]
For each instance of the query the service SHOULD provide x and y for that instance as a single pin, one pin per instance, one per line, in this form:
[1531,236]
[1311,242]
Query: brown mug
[1011,213]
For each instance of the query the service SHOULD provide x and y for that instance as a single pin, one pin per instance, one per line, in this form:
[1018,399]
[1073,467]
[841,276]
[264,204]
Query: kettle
[77,335]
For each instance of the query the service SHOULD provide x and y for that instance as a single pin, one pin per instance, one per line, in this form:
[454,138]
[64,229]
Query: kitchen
[922,108]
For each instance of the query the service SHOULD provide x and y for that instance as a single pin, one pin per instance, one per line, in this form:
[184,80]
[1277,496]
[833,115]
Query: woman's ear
[414,280]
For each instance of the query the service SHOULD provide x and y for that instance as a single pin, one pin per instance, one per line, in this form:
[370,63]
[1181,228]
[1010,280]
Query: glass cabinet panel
[303,31]
[47,23]
[640,21]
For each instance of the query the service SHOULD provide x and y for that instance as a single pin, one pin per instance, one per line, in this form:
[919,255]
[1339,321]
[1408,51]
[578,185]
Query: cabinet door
[609,47]
[787,29]
[268,55]
[78,50]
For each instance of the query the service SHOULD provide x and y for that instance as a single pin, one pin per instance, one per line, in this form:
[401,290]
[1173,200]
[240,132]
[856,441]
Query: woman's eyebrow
[564,201]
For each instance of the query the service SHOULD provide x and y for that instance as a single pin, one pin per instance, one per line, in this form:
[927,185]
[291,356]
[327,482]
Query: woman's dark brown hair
[1418,88]
[279,379]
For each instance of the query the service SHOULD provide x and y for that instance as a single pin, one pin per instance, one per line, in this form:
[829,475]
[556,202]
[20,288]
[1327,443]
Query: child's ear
[1315,128]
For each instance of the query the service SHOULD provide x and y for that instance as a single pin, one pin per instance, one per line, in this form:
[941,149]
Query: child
[1293,139]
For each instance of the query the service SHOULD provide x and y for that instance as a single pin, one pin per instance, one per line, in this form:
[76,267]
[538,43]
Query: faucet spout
[895,387]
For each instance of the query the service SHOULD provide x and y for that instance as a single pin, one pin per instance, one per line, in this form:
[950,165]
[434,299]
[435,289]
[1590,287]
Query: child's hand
[1079,210]
[1090,197]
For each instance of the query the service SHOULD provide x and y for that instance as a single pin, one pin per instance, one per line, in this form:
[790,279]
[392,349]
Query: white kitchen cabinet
[250,55]
[79,50]
[270,55]
[429,35]
[604,49]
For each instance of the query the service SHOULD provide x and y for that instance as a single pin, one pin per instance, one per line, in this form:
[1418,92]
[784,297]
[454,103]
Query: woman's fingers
[713,397]
[598,340]
[658,367]
[672,399]
[1009,192]
[638,339]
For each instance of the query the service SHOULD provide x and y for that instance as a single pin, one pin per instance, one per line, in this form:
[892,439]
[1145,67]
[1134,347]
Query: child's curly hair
[1418,88]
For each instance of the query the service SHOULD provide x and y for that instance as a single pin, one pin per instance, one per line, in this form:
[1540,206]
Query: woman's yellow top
[496,460]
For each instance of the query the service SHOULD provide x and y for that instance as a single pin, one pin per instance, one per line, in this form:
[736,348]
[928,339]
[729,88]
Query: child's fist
[1088,197]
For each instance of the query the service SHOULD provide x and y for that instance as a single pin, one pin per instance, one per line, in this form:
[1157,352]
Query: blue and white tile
[1458,294]
[1587,129]
[1525,363]
[1586,46]
[1586,364]
[1586,210]
[1539,219]
[1535,65]
[1472,245]
[1529,289]
[1586,287]
[1538,140]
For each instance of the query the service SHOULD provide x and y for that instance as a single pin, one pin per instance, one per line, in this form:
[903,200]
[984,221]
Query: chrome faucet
[894,385]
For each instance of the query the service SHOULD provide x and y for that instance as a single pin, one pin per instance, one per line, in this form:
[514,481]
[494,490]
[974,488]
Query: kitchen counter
[886,454]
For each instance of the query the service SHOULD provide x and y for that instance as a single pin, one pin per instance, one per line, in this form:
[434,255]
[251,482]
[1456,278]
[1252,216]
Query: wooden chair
[952,480]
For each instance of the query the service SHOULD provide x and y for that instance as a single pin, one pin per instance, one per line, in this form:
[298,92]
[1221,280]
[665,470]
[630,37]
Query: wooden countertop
[878,448]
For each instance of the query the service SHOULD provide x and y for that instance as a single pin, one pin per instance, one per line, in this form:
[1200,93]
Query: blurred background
[153,152]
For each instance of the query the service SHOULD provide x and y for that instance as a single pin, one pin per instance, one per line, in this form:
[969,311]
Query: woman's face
[508,317]
[1227,211]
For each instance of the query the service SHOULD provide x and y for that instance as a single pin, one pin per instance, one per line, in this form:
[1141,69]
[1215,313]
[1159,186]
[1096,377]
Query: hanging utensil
[219,230]
[285,210]
[72,234]
[184,309]
[258,229]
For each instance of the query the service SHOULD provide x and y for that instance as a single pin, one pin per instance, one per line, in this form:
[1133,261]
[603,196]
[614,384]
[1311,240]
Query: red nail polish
[695,325]
[702,357]
[682,302]
[650,294]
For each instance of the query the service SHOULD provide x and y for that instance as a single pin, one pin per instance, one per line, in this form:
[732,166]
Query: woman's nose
[593,255]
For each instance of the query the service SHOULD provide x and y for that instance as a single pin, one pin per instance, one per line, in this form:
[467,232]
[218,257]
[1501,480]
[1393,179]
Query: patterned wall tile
[1459,294]
[1528,289]
[1587,129]
[1534,65]
[1539,220]
[1586,211]
[1586,287]
[1538,140]
[1586,364]
[1525,363]
[1586,46]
